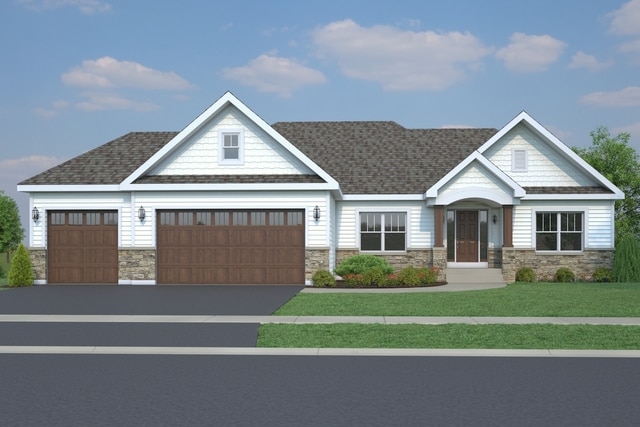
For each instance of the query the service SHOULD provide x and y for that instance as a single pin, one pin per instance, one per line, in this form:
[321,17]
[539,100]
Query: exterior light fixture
[35,214]
[495,219]
[141,214]
[316,213]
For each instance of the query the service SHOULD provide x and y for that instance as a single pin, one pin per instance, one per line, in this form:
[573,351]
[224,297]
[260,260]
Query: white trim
[515,160]
[463,265]
[525,118]
[474,193]
[381,197]
[227,187]
[221,147]
[136,282]
[559,210]
[40,282]
[383,210]
[68,188]
[570,197]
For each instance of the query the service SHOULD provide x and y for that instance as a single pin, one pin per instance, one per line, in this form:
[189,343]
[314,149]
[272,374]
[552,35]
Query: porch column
[438,212]
[507,226]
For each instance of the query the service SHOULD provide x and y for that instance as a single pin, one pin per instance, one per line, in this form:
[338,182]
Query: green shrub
[323,278]
[374,277]
[428,276]
[525,274]
[564,275]
[359,264]
[603,275]
[409,276]
[626,262]
[20,270]
[352,280]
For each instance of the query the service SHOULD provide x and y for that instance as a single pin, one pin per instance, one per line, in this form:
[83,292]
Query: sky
[76,74]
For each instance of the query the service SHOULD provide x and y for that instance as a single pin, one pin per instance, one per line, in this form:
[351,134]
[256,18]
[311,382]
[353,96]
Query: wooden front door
[467,236]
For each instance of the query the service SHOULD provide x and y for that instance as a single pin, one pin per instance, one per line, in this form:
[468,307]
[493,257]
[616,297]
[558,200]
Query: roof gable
[178,155]
[551,162]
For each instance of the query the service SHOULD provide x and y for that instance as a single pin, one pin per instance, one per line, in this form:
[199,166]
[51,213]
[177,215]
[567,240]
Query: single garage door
[82,247]
[231,247]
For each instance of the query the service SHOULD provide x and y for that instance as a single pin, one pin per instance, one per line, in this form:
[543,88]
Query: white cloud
[627,97]
[630,47]
[274,74]
[633,129]
[399,59]
[88,7]
[626,20]
[530,53]
[107,72]
[25,167]
[590,62]
[110,101]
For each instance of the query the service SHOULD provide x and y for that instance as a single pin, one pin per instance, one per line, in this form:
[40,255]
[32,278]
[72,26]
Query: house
[233,200]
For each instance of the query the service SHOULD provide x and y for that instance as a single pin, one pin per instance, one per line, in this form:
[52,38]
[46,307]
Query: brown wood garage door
[231,247]
[82,247]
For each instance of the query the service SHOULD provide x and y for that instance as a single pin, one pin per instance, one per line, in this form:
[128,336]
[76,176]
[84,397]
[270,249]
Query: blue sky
[78,73]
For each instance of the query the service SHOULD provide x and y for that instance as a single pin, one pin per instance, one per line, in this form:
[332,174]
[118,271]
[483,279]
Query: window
[383,231]
[167,218]
[519,160]
[111,218]
[57,218]
[231,147]
[559,231]
[203,218]
[93,218]
[75,218]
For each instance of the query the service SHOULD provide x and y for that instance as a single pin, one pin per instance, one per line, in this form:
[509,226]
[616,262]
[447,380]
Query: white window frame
[519,160]
[559,232]
[221,147]
[383,231]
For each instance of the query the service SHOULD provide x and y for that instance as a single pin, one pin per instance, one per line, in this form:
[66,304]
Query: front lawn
[460,336]
[516,300]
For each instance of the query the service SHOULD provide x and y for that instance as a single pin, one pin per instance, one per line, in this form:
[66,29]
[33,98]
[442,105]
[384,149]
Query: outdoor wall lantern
[141,214]
[316,213]
[495,219]
[35,214]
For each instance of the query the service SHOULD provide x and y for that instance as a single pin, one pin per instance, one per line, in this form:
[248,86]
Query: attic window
[519,160]
[231,147]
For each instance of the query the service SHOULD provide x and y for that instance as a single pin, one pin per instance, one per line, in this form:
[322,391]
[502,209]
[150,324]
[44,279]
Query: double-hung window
[231,147]
[383,231]
[559,231]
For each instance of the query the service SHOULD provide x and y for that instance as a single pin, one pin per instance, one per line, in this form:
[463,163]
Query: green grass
[460,336]
[516,300]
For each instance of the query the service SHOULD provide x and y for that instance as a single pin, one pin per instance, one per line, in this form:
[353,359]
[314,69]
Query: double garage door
[193,247]
[230,247]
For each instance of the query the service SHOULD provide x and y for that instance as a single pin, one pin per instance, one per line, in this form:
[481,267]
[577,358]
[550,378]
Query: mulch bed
[342,284]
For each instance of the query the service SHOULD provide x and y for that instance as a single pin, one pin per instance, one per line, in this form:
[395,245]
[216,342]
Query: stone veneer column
[39,263]
[315,259]
[137,264]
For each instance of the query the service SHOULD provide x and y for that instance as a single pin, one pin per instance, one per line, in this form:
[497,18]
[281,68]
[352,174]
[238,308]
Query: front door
[467,236]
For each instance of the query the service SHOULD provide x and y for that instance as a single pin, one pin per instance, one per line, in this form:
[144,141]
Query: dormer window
[519,160]
[231,147]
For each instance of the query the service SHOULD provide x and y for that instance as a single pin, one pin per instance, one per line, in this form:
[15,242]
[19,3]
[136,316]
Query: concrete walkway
[449,287]
[302,320]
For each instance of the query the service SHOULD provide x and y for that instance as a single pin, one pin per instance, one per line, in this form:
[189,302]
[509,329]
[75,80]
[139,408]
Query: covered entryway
[230,247]
[82,247]
[467,236]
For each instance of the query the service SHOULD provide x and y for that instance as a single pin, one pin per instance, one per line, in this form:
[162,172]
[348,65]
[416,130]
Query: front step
[474,275]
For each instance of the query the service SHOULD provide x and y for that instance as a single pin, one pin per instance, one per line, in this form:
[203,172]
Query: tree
[20,270]
[614,158]
[11,232]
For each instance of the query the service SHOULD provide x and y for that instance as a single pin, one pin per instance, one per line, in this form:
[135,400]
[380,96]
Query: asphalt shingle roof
[364,157]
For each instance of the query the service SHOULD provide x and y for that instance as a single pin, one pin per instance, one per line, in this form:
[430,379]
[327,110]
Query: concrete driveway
[146,300]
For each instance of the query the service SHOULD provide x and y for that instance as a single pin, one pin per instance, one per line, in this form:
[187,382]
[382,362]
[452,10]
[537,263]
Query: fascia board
[382,197]
[567,152]
[573,197]
[67,188]
[476,156]
[226,187]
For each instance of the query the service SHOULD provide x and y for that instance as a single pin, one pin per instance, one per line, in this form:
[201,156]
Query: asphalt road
[57,390]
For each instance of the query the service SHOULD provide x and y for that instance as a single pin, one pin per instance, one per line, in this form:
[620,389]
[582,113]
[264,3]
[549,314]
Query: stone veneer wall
[137,264]
[314,260]
[436,257]
[583,264]
[39,263]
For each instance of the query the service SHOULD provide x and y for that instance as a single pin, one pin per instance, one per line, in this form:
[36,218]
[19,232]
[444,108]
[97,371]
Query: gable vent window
[231,147]
[519,160]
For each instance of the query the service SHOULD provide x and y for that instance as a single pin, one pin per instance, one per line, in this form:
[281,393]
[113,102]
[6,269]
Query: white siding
[72,201]
[419,222]
[598,217]
[316,233]
[199,155]
[546,166]
[475,175]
